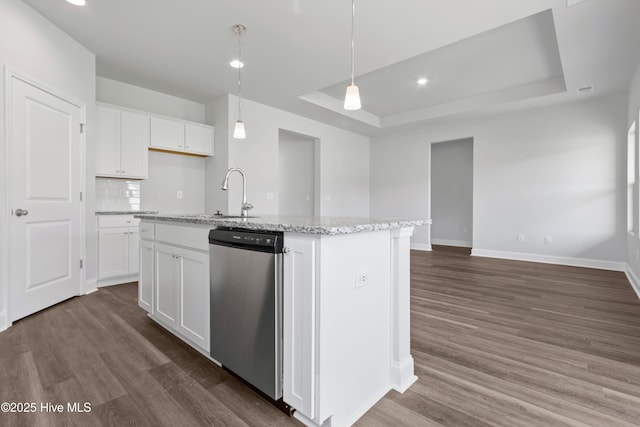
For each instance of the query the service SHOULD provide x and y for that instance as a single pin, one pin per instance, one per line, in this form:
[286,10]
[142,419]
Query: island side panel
[402,373]
[354,328]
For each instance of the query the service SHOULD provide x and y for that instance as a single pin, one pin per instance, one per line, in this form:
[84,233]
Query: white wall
[296,174]
[344,161]
[33,46]
[452,193]
[555,171]
[139,98]
[168,173]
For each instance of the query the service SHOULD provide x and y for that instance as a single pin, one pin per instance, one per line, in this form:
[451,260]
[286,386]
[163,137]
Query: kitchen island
[346,337]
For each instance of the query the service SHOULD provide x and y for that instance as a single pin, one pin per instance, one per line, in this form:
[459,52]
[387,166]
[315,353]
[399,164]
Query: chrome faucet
[244,209]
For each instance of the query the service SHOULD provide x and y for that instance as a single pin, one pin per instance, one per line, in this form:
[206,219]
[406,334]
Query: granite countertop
[296,224]
[124,212]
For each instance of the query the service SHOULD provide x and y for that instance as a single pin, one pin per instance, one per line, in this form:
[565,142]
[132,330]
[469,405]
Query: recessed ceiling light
[77,2]
[236,64]
[423,81]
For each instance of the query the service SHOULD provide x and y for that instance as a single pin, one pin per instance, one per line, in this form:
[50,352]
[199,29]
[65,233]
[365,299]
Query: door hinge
[81,196]
[82,126]
[81,263]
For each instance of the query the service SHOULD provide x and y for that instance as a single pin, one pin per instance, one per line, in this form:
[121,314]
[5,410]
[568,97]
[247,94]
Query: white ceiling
[480,56]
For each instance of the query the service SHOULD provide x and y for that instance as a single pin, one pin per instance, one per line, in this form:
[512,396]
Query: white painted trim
[402,376]
[633,279]
[90,286]
[551,259]
[5,262]
[421,247]
[117,280]
[458,243]
[3,321]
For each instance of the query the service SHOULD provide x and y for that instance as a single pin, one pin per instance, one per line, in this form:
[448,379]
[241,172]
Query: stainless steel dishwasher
[246,305]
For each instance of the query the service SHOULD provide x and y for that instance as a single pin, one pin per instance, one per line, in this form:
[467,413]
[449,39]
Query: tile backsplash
[117,194]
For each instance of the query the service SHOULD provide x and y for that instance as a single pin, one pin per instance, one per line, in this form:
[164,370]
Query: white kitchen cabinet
[299,334]
[193,296]
[117,249]
[181,282]
[165,287]
[167,134]
[199,139]
[146,273]
[181,137]
[122,143]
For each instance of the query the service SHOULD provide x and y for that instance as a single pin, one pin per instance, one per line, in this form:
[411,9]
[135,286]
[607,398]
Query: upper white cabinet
[182,137]
[122,143]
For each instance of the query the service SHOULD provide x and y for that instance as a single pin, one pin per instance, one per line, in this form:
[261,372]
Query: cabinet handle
[286,250]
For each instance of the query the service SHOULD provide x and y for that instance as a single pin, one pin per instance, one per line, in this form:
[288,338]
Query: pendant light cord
[240,65]
[353,45]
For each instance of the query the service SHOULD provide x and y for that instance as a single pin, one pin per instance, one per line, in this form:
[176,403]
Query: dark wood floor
[496,343]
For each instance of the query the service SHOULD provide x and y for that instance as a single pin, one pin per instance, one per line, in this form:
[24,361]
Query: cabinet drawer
[105,221]
[147,230]
[190,237]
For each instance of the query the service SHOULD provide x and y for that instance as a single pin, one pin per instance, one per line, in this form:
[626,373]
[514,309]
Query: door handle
[21,212]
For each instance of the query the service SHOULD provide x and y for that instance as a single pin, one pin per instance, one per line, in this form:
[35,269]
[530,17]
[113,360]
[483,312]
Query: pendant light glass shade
[238,130]
[352,97]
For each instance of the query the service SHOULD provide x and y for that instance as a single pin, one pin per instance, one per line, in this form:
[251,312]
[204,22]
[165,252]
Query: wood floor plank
[495,343]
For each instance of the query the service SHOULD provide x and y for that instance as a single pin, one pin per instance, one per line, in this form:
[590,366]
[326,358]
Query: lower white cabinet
[179,274]
[117,249]
[145,275]
[299,322]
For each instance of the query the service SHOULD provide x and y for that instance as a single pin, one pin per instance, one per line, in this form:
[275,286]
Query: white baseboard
[633,279]
[458,243]
[420,247]
[90,286]
[117,280]
[551,259]
[4,324]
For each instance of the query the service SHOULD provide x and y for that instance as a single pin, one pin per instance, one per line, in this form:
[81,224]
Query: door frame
[473,185]
[5,218]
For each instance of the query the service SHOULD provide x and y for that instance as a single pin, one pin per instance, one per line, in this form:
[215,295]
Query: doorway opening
[452,195]
[298,160]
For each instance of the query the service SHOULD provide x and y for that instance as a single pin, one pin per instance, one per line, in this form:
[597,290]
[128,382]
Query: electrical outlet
[547,240]
[270,195]
[520,238]
[179,195]
[362,279]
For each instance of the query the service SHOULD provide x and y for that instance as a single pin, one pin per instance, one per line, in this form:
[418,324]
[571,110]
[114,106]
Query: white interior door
[45,183]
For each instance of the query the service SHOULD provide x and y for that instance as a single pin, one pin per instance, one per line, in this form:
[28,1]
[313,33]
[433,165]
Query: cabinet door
[193,297]
[199,139]
[107,141]
[145,281]
[299,317]
[167,134]
[134,241]
[113,252]
[134,145]
[165,289]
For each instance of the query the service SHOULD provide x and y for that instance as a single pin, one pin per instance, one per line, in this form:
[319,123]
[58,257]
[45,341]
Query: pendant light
[238,130]
[352,98]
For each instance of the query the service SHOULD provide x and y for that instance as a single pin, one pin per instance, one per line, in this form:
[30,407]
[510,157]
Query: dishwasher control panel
[271,241]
